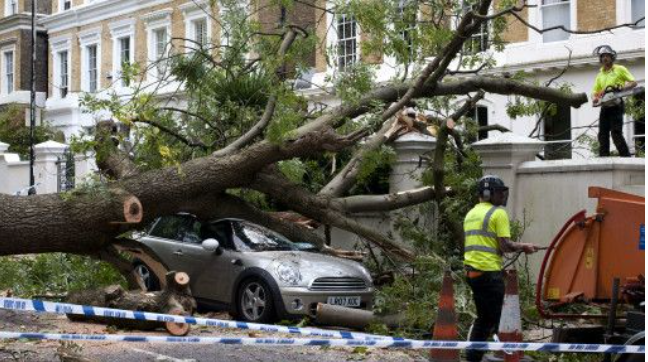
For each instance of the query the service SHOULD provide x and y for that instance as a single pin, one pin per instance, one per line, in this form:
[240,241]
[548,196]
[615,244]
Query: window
[199,33]
[9,72]
[408,11]
[92,73]
[11,7]
[182,228]
[124,57]
[170,227]
[480,115]
[160,46]
[66,5]
[557,132]
[638,10]
[63,73]
[478,41]
[347,42]
[555,13]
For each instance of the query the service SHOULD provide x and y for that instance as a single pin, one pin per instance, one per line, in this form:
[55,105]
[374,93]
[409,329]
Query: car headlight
[288,273]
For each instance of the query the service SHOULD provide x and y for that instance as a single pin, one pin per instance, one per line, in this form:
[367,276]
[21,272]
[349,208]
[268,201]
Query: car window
[220,231]
[181,228]
[169,227]
[191,233]
[252,237]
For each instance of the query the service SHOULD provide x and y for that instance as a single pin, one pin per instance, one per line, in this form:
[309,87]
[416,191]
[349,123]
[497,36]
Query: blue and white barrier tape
[347,338]
[90,311]
[544,347]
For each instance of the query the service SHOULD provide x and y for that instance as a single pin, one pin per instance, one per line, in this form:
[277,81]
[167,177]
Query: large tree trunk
[175,298]
[335,315]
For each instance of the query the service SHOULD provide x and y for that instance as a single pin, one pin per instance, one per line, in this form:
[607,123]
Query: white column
[502,154]
[406,173]
[47,155]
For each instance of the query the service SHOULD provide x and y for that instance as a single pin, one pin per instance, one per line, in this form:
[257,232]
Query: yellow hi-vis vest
[482,226]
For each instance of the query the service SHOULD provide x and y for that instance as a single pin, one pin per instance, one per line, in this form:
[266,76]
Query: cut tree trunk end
[174,299]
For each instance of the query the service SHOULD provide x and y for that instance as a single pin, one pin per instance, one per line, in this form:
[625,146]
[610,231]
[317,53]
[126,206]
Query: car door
[220,268]
[175,241]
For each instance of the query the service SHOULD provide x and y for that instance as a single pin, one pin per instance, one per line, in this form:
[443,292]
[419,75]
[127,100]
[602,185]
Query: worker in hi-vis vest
[487,235]
[611,78]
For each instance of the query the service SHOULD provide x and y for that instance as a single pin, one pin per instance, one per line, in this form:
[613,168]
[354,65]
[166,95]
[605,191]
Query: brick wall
[322,27]
[593,15]
[22,61]
[516,31]
[42,6]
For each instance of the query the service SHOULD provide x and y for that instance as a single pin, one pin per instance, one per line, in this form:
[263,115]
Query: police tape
[407,344]
[347,338]
[90,311]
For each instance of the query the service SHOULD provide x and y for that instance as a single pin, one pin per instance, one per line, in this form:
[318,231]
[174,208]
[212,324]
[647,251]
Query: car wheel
[147,276]
[255,303]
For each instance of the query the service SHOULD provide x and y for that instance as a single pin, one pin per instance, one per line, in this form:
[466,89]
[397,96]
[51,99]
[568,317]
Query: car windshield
[258,238]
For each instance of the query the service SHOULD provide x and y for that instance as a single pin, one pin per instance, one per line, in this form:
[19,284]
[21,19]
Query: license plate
[344,301]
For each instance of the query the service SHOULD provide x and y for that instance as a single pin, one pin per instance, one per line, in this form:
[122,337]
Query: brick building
[15,53]
[541,56]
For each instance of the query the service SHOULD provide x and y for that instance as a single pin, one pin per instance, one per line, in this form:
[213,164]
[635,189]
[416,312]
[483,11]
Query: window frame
[193,12]
[87,40]
[8,88]
[571,4]
[62,4]
[631,15]
[341,61]
[483,36]
[59,45]
[119,31]
[405,33]
[154,22]
[61,86]
[9,10]
[92,68]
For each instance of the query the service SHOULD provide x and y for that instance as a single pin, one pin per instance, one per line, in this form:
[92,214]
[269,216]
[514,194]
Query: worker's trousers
[488,294]
[611,122]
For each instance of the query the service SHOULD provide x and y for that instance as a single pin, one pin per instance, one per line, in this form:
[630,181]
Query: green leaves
[55,273]
[14,131]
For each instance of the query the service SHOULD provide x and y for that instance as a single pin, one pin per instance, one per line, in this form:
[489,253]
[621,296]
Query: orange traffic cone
[510,327]
[445,328]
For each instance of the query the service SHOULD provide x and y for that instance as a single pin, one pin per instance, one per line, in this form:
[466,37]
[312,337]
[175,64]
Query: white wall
[14,173]
[545,194]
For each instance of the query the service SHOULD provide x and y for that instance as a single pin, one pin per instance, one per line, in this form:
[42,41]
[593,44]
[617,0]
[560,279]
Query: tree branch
[172,133]
[268,113]
[388,202]
[323,209]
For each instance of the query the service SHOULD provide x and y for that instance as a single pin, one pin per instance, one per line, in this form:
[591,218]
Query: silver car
[256,273]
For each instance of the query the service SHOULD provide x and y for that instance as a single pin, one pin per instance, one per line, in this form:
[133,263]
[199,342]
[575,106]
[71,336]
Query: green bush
[55,273]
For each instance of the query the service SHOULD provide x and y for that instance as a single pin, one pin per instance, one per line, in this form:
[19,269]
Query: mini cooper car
[255,273]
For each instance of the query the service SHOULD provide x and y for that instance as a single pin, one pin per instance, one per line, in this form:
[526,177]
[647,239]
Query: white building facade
[542,56]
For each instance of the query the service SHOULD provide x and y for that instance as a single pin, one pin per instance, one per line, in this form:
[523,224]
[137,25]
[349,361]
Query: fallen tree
[175,298]
[214,152]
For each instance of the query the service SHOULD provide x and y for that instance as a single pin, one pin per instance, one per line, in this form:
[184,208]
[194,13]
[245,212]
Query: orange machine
[589,252]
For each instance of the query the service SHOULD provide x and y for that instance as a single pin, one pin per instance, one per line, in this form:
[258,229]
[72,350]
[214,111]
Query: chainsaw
[613,96]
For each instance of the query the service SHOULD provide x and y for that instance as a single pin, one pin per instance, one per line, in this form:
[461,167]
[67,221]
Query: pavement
[24,350]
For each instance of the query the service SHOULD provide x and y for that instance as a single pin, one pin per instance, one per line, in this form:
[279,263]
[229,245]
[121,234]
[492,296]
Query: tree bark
[174,299]
[334,315]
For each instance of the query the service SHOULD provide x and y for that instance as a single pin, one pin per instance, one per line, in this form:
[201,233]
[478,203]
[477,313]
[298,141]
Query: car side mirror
[211,245]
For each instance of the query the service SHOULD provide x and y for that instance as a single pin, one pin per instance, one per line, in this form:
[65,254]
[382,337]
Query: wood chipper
[598,260]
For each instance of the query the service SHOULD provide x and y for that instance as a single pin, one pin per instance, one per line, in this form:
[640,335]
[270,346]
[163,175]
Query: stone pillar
[47,155]
[3,147]
[502,154]
[406,173]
